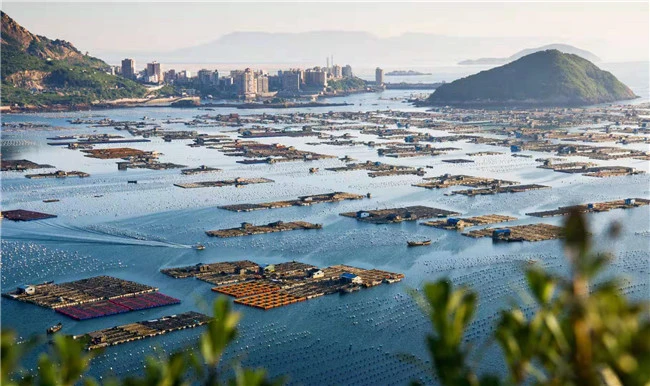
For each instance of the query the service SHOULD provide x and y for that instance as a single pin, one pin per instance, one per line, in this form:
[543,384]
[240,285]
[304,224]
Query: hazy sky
[614,31]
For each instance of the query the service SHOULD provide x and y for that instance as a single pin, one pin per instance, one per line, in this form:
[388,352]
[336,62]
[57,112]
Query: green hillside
[544,78]
[38,71]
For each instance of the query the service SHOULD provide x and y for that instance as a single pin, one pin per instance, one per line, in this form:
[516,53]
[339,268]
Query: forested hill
[544,78]
[38,71]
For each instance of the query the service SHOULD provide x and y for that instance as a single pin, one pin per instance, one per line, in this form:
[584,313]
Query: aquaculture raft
[595,207]
[460,223]
[237,182]
[530,232]
[25,215]
[395,215]
[301,201]
[247,229]
[140,330]
[93,297]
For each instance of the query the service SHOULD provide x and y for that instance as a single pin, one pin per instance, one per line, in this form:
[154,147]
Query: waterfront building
[204,77]
[154,73]
[245,82]
[346,71]
[379,76]
[262,83]
[337,71]
[316,77]
[169,76]
[128,68]
[290,80]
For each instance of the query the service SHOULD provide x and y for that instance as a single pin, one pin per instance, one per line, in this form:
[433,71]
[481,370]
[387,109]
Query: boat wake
[52,231]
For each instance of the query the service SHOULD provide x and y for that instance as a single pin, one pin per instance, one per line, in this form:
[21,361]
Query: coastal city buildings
[379,76]
[153,74]
[247,83]
[128,68]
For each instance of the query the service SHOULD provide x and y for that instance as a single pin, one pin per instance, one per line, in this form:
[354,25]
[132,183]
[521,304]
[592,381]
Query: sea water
[133,230]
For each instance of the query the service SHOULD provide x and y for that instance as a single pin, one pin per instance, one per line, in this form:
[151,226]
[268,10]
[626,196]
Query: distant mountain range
[347,47]
[38,71]
[565,48]
[544,78]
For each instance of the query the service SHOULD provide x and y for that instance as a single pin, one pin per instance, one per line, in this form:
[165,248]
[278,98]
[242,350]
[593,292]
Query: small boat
[313,170]
[51,200]
[132,182]
[418,243]
[55,328]
[199,247]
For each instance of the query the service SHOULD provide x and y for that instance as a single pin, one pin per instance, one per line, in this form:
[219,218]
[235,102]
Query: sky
[614,31]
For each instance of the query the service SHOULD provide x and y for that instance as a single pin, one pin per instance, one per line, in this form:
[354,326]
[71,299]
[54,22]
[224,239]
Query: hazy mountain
[565,48]
[40,71]
[544,78]
[356,48]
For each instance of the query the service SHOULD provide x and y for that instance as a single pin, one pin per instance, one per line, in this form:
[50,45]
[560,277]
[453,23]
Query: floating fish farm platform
[595,207]
[237,182]
[93,297]
[460,223]
[410,213]
[21,165]
[448,180]
[531,232]
[141,330]
[275,285]
[25,215]
[500,189]
[247,229]
[301,201]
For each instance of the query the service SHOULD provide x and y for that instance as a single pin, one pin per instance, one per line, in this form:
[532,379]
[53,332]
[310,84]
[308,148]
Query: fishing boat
[199,247]
[418,243]
[55,328]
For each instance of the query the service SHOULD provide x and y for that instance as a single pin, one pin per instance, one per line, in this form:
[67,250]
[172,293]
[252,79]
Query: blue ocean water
[134,230]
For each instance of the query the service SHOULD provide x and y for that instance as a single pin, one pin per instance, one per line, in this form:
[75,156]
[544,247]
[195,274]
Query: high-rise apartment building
[379,76]
[128,68]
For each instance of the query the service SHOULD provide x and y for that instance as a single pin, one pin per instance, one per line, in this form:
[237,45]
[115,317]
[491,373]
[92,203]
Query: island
[406,73]
[545,78]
